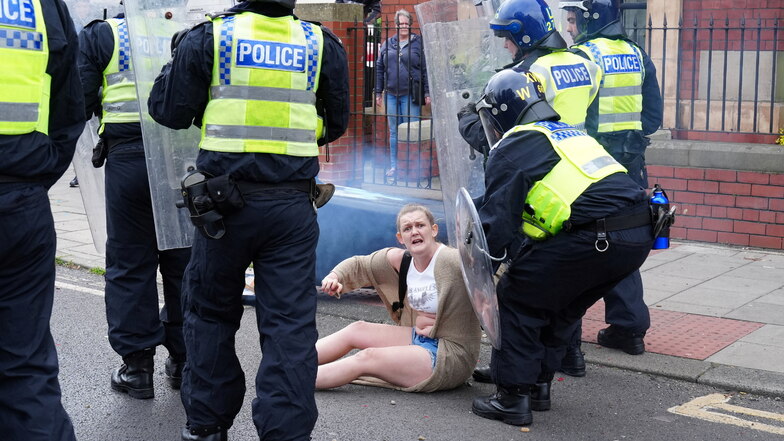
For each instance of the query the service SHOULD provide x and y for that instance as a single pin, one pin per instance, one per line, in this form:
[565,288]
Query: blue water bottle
[661,208]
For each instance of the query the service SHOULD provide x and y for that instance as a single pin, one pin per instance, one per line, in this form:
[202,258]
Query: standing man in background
[136,325]
[261,124]
[41,111]
[628,108]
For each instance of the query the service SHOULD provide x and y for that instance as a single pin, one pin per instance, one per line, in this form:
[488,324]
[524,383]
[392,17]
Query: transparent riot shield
[462,54]
[91,179]
[91,184]
[85,11]
[477,266]
[170,153]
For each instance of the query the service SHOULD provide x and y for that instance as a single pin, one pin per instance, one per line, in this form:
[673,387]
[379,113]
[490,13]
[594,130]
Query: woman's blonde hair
[410,208]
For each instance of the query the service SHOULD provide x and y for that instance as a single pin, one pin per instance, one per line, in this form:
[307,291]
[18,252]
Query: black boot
[616,337]
[482,375]
[573,363]
[510,404]
[134,377]
[540,396]
[173,371]
[199,435]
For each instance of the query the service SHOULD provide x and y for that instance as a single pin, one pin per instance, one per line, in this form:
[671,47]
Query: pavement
[717,312]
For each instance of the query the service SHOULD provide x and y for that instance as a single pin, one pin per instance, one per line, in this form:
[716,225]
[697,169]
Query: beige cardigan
[456,326]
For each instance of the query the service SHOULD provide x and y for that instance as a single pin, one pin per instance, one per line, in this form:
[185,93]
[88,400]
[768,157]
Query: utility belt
[602,226]
[208,199]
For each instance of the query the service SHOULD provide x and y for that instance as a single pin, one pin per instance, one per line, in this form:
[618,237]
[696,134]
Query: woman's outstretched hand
[331,286]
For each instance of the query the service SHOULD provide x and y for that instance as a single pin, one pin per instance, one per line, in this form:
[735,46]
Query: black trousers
[276,231]
[133,259]
[548,288]
[30,405]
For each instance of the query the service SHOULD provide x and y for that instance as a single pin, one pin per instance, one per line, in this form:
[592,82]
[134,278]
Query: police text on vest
[271,55]
[623,63]
[570,76]
[19,13]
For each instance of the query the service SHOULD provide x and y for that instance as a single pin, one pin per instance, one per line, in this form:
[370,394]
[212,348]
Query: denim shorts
[431,344]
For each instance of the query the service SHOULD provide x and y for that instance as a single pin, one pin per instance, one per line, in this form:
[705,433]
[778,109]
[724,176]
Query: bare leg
[360,335]
[399,365]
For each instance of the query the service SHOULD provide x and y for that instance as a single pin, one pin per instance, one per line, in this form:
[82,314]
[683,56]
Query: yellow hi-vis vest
[583,162]
[264,81]
[570,84]
[119,101]
[26,87]
[620,94]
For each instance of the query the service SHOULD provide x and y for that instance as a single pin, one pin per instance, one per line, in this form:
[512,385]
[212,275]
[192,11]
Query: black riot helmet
[512,97]
[594,18]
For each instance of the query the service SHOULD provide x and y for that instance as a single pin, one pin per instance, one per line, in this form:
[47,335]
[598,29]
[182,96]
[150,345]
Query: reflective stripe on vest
[583,162]
[24,49]
[620,95]
[264,82]
[119,101]
[570,84]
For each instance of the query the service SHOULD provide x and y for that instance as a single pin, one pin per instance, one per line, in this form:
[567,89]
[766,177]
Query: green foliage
[98,270]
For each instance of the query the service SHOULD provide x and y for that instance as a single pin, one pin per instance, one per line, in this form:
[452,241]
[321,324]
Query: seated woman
[434,345]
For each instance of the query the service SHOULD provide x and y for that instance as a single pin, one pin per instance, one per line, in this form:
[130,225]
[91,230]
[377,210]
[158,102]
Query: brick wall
[724,206]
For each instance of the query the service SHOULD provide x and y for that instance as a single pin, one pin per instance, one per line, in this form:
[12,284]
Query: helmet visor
[492,132]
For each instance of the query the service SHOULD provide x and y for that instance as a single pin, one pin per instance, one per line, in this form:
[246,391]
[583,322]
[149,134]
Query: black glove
[468,109]
[99,153]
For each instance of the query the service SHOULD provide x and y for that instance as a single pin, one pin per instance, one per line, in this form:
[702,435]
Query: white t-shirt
[422,293]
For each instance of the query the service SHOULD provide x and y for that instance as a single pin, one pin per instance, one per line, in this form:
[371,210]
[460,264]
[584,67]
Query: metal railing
[415,150]
[717,78]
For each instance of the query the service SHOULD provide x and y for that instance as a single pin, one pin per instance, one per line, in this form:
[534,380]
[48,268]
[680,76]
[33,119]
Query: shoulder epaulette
[215,15]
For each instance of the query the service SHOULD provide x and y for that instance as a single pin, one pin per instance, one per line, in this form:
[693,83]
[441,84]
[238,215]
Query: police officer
[136,326]
[570,85]
[529,32]
[627,110]
[40,120]
[255,79]
[587,226]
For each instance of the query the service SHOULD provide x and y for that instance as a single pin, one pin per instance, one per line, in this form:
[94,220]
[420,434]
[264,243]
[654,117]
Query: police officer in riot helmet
[136,323]
[262,123]
[570,84]
[529,32]
[587,225]
[41,108]
[628,109]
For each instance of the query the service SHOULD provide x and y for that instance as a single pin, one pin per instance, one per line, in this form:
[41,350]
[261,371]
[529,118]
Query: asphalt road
[607,404]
